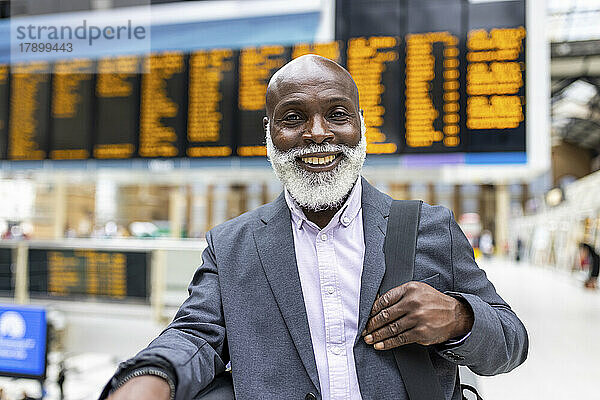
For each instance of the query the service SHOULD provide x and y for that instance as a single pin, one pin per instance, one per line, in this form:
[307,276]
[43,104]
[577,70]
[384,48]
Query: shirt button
[324,237]
[330,289]
[346,220]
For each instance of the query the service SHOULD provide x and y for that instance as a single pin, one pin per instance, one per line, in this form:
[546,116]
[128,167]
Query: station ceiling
[574,35]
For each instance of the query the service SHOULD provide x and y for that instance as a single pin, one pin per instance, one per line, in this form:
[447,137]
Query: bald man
[288,292]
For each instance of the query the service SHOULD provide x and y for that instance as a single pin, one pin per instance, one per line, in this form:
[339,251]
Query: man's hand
[416,313]
[148,387]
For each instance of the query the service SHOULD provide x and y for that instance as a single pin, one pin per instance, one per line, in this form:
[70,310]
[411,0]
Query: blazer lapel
[275,245]
[375,209]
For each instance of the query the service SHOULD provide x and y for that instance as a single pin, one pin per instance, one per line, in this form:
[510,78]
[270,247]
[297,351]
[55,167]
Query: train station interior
[131,128]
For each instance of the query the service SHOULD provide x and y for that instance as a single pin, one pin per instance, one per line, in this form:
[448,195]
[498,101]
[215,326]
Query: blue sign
[22,341]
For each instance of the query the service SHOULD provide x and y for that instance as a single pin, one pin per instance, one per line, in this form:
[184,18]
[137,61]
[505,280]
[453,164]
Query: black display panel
[495,77]
[115,275]
[256,66]
[7,285]
[29,111]
[375,65]
[4,99]
[212,103]
[117,107]
[463,66]
[72,109]
[433,100]
[163,105]
[370,18]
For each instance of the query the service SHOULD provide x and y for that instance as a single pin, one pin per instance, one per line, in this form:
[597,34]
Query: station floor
[562,318]
[563,322]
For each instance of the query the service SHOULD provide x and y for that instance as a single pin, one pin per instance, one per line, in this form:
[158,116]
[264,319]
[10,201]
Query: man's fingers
[390,330]
[386,316]
[407,337]
[388,298]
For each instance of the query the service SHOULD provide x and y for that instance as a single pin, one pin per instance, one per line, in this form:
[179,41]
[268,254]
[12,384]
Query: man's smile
[319,162]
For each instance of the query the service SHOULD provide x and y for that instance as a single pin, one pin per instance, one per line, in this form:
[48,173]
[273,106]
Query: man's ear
[265,122]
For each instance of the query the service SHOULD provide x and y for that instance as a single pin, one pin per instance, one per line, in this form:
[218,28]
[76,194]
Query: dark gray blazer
[246,305]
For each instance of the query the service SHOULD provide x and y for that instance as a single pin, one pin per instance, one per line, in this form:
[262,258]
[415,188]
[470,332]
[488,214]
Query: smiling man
[288,292]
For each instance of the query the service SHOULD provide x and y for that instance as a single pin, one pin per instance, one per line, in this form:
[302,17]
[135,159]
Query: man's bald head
[308,70]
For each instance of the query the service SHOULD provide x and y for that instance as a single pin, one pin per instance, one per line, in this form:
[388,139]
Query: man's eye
[292,117]
[339,115]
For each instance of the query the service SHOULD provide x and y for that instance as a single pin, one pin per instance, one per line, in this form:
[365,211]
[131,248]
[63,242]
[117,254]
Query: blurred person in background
[486,243]
[519,250]
[288,292]
[588,256]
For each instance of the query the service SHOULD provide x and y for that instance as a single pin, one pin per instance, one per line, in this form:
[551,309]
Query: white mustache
[318,148]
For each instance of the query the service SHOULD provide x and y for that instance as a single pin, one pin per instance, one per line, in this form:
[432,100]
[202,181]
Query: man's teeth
[319,160]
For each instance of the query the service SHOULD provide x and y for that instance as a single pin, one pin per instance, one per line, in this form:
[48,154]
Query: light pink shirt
[330,262]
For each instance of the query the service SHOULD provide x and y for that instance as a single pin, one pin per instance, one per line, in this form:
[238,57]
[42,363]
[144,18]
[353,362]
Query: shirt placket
[333,315]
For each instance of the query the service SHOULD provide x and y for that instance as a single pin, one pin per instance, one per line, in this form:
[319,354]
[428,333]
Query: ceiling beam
[575,49]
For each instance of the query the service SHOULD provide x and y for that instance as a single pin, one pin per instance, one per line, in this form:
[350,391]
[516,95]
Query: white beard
[318,191]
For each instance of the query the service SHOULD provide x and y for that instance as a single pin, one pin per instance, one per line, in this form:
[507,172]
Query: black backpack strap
[414,363]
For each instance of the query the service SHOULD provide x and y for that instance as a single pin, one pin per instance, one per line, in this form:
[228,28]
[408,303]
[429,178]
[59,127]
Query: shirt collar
[344,216]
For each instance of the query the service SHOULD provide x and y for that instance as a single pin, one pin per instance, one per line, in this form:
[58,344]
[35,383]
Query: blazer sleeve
[498,340]
[194,344]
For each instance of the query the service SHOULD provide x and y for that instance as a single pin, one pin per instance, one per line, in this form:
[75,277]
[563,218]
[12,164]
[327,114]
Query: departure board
[72,109]
[434,76]
[3,110]
[212,105]
[117,107]
[374,64]
[433,101]
[6,276]
[256,67]
[163,98]
[496,76]
[88,273]
[29,111]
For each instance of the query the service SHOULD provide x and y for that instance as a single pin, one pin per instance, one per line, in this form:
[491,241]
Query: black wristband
[144,365]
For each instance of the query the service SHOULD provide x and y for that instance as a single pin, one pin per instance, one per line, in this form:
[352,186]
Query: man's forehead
[309,72]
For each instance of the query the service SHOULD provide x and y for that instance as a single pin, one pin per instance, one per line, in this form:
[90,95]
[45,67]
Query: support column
[159,285]
[457,201]
[524,197]
[176,212]
[189,210]
[399,191]
[60,210]
[210,199]
[487,207]
[237,200]
[22,274]
[501,220]
[264,199]
[431,194]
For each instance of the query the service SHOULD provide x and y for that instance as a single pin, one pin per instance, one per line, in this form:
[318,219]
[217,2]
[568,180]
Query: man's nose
[317,130]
